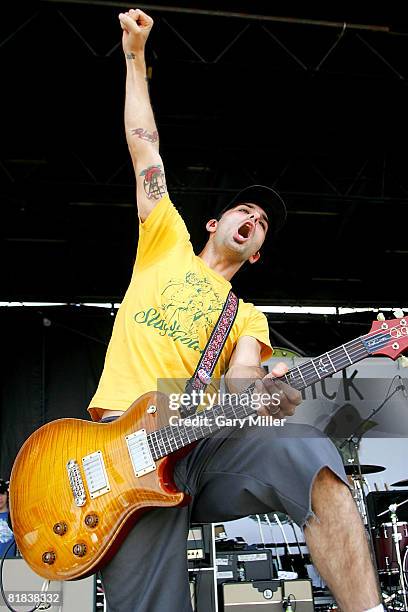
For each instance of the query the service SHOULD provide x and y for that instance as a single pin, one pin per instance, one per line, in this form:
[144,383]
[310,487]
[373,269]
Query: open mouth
[244,232]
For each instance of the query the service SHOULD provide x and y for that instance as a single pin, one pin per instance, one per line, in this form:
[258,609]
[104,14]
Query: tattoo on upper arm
[154,182]
[145,135]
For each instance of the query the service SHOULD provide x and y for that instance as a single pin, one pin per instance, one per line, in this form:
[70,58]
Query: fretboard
[169,439]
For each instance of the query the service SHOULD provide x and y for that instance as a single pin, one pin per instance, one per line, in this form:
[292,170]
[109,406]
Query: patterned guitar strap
[205,368]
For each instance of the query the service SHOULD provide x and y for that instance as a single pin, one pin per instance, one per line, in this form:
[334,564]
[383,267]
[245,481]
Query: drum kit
[386,534]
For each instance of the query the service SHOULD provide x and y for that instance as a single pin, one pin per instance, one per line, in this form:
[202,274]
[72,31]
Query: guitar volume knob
[60,528]
[91,520]
[79,550]
[49,557]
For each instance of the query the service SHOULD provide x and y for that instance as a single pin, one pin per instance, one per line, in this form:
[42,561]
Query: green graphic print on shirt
[188,305]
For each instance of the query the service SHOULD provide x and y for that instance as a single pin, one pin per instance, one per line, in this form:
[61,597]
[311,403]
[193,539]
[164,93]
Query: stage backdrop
[51,362]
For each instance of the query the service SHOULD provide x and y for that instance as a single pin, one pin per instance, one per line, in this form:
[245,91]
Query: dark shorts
[233,474]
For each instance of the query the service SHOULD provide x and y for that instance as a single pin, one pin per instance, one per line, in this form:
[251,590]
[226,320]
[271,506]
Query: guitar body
[62,540]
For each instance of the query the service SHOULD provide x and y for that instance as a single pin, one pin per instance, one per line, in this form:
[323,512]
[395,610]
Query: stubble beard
[237,253]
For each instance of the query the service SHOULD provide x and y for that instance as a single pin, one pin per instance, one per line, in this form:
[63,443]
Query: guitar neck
[168,439]
[333,361]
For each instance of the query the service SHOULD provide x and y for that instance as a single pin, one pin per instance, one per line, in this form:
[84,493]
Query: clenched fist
[136,26]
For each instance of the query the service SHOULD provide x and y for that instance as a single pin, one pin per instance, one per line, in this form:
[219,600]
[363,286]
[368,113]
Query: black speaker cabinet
[258,596]
[202,590]
[245,565]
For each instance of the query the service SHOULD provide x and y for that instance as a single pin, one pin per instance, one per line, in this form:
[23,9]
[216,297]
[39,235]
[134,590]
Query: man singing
[166,317]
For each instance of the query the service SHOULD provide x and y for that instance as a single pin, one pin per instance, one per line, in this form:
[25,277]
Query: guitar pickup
[139,452]
[95,474]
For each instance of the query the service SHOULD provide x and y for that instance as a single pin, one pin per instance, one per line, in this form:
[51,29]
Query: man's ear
[211,226]
[254,258]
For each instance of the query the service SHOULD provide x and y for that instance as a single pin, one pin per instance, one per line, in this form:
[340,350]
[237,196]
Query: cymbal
[352,468]
[400,483]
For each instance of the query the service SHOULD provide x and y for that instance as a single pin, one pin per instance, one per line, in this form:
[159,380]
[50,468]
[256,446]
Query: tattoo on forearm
[145,135]
[154,182]
[132,56]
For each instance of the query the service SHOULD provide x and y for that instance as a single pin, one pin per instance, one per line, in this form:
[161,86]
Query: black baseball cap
[268,199]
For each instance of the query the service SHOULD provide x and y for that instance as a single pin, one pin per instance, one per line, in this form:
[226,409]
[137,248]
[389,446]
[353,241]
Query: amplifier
[202,591]
[324,602]
[23,590]
[245,565]
[195,543]
[300,593]
[258,596]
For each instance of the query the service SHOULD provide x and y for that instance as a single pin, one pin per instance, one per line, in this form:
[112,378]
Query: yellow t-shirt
[170,308]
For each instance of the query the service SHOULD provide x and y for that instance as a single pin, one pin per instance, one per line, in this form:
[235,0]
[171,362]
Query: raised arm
[140,126]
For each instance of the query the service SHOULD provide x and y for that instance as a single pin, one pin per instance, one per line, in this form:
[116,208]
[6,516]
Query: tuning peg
[398,313]
[380,316]
[403,361]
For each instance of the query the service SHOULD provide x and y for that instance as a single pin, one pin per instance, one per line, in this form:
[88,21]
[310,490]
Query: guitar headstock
[388,337]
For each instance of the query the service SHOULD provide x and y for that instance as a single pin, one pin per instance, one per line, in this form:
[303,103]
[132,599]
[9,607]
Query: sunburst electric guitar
[77,487]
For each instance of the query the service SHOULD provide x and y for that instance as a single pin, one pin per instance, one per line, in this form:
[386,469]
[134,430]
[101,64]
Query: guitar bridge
[140,454]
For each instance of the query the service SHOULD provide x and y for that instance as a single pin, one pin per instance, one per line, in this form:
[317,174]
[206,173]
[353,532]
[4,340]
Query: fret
[290,378]
[233,411]
[245,408]
[340,359]
[308,376]
[155,443]
[243,405]
[247,411]
[152,447]
[171,435]
[201,428]
[345,350]
[212,424]
[182,439]
[186,432]
[207,428]
[220,408]
[317,372]
[198,432]
[161,443]
[331,363]
[301,375]
[323,367]
[168,439]
[359,350]
[176,436]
